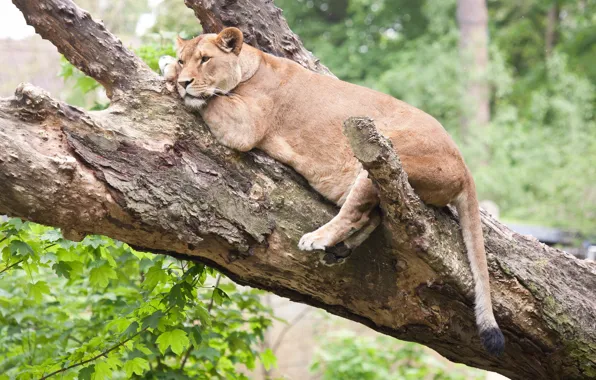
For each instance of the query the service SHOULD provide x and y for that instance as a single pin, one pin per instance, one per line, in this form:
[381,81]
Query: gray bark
[148,172]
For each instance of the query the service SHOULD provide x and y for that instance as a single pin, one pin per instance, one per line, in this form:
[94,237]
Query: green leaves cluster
[99,309]
[344,355]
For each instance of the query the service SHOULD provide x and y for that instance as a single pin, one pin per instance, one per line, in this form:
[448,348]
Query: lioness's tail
[469,217]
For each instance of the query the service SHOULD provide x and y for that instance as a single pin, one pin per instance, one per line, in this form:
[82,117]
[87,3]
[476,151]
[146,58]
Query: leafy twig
[21,260]
[187,353]
[104,353]
[11,265]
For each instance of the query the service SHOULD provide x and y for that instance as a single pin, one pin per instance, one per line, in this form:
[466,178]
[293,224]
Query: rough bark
[472,18]
[148,172]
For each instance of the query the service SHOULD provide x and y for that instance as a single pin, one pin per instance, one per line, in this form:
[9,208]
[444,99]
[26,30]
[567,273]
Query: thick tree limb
[147,172]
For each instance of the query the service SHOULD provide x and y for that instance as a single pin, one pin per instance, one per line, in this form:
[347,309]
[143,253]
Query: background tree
[472,20]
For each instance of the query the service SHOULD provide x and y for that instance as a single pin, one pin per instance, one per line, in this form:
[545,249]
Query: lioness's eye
[181,62]
[205,59]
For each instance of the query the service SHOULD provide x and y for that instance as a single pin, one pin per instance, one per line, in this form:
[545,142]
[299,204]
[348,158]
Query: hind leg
[354,215]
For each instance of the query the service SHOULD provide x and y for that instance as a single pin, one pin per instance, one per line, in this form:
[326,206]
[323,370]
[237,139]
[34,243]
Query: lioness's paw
[167,66]
[313,240]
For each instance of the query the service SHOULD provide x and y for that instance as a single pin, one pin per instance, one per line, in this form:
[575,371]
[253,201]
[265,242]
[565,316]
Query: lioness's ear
[179,42]
[230,40]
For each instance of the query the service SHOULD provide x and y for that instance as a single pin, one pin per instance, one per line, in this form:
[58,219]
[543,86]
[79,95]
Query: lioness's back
[319,105]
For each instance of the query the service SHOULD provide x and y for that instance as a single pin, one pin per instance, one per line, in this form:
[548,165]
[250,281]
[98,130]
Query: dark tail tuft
[493,341]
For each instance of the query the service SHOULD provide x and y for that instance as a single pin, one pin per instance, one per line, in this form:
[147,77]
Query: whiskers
[218,92]
[207,92]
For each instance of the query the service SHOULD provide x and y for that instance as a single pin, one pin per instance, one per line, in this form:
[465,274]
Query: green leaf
[137,366]
[51,235]
[16,223]
[155,275]
[118,325]
[219,296]
[195,336]
[87,372]
[105,254]
[62,269]
[153,320]
[102,371]
[268,359]
[20,247]
[100,276]
[176,339]
[67,255]
[237,343]
[141,347]
[132,329]
[30,267]
[176,296]
[93,241]
[203,315]
[38,289]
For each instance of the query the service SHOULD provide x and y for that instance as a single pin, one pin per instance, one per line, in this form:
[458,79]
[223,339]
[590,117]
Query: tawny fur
[250,99]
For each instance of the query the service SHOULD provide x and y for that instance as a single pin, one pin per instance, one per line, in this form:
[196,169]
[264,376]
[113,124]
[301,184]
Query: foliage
[346,356]
[108,311]
[84,91]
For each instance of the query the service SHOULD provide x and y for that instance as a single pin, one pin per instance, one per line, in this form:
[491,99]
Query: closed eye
[205,59]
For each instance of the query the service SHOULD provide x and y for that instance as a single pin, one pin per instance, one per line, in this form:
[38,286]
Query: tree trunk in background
[472,18]
[552,23]
[148,172]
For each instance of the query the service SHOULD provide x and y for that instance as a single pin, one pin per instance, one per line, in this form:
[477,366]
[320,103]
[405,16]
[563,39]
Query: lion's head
[208,65]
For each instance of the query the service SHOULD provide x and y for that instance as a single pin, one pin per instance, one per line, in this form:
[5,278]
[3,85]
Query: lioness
[250,99]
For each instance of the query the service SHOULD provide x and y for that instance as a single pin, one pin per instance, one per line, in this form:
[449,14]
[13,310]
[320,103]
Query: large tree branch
[86,44]
[148,172]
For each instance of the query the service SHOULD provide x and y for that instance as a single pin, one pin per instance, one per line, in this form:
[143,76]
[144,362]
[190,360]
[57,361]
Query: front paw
[314,240]
[167,66]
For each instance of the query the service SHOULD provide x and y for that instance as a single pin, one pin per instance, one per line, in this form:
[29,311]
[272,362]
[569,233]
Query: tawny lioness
[250,99]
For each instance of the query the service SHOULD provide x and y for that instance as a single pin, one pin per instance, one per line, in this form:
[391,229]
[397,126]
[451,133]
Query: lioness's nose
[185,82]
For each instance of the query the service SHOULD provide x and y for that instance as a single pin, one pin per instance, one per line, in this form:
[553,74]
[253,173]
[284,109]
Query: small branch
[104,353]
[11,265]
[217,279]
[289,326]
[378,157]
